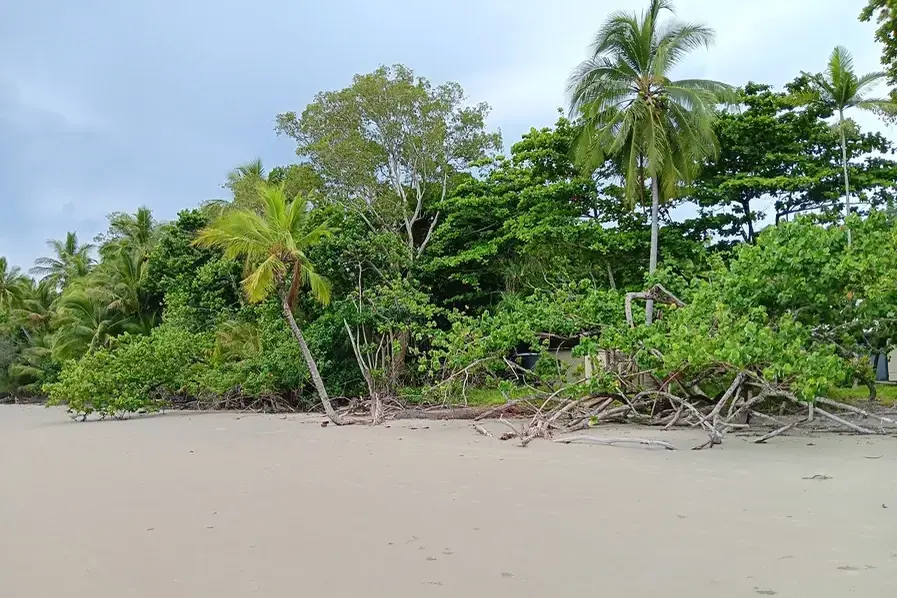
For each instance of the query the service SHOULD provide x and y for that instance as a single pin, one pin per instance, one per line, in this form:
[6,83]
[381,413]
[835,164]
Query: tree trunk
[749,220]
[846,178]
[310,361]
[652,264]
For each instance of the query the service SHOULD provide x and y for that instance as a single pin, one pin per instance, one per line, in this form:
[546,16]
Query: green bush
[137,373]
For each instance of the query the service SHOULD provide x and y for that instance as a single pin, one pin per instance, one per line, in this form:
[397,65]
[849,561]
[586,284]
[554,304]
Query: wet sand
[226,505]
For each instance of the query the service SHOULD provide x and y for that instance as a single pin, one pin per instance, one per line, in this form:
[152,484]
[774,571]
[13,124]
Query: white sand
[221,505]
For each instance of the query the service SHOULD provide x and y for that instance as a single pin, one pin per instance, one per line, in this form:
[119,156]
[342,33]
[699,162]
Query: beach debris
[615,441]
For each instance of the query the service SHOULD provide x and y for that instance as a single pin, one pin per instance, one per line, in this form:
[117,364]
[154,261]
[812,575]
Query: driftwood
[614,441]
[781,430]
[856,410]
[843,422]
[482,431]
[497,411]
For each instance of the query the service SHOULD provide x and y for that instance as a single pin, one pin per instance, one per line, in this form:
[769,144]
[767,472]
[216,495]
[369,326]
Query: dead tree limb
[613,441]
[657,293]
[844,422]
[831,416]
[496,411]
[781,430]
[852,409]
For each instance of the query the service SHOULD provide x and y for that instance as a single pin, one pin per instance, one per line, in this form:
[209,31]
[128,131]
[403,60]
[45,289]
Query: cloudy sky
[107,105]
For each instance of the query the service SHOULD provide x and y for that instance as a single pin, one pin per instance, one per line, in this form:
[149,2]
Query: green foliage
[710,341]
[404,243]
[197,286]
[137,373]
[885,14]
[524,324]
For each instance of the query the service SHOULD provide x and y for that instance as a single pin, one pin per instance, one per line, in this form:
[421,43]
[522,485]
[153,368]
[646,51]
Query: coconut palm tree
[12,285]
[840,88]
[36,305]
[633,112]
[86,322]
[71,261]
[136,233]
[274,240]
[246,182]
[119,276]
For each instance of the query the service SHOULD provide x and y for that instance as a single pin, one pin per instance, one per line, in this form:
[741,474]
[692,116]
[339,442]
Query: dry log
[831,416]
[852,409]
[496,411]
[438,414]
[844,422]
[781,430]
[613,441]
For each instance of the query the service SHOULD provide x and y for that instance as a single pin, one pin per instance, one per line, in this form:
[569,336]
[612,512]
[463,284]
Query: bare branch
[613,441]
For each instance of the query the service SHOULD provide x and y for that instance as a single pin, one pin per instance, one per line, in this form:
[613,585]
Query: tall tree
[840,88]
[134,233]
[388,146]
[275,241]
[885,13]
[71,260]
[658,128]
[86,321]
[12,284]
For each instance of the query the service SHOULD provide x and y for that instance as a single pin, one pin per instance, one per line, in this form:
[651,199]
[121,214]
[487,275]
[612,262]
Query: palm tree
[12,285]
[137,232]
[247,183]
[71,261]
[634,114]
[120,276]
[274,240]
[840,88]
[86,322]
[36,305]
[253,171]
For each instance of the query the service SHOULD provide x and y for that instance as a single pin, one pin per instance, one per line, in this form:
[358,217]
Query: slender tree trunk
[310,361]
[652,264]
[846,178]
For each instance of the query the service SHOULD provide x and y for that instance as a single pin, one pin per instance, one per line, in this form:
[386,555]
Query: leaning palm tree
[633,112]
[274,240]
[13,285]
[840,88]
[71,261]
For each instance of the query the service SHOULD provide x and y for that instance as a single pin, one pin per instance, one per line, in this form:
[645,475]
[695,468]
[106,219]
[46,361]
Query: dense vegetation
[404,257]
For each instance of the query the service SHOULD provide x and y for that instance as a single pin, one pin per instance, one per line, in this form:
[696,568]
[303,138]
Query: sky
[107,105]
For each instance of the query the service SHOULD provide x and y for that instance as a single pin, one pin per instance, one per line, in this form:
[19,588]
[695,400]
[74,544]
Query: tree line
[404,258]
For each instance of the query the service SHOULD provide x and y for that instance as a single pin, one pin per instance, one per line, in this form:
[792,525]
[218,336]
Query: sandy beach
[231,505]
